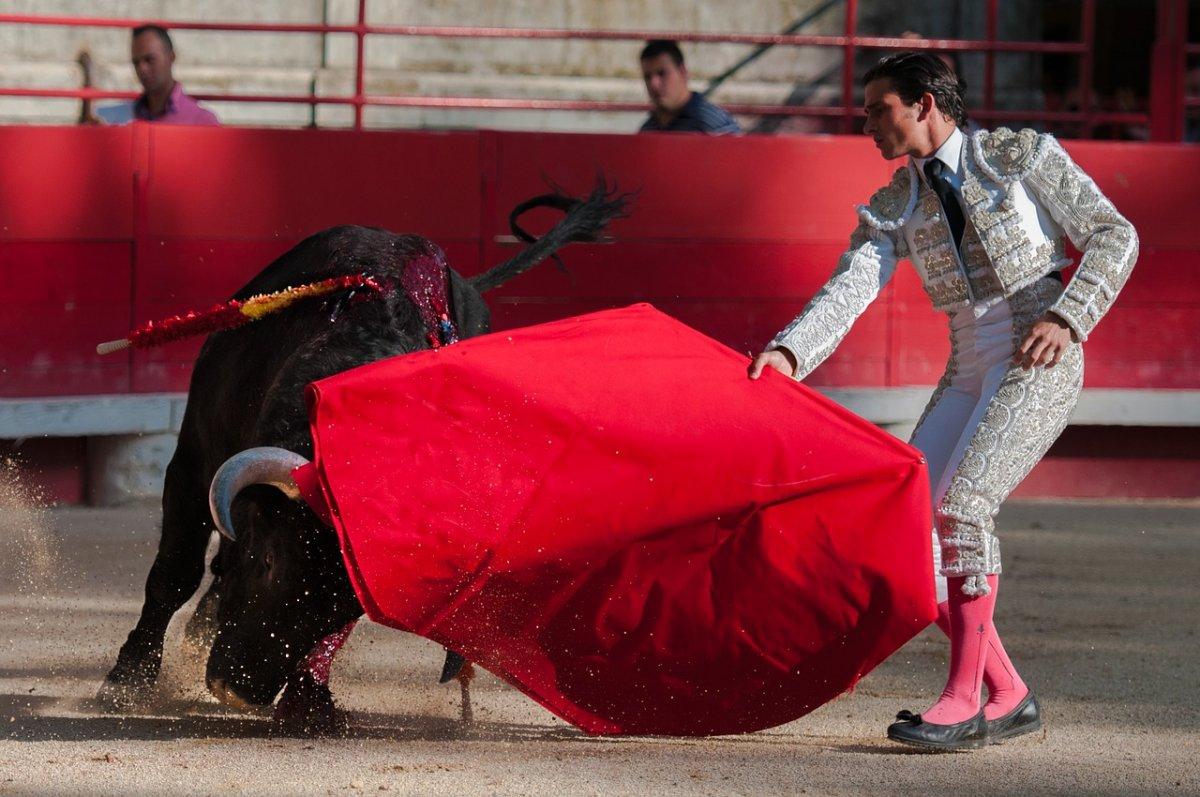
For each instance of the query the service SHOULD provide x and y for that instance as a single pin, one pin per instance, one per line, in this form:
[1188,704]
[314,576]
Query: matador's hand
[781,360]
[1045,344]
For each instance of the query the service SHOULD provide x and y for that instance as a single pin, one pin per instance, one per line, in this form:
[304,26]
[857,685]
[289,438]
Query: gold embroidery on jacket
[997,255]
[1014,259]
[1109,241]
[933,248]
[891,201]
[1009,153]
[980,274]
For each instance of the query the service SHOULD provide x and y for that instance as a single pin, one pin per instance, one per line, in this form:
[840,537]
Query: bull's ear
[265,465]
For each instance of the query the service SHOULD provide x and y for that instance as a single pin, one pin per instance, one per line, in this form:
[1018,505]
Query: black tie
[935,170]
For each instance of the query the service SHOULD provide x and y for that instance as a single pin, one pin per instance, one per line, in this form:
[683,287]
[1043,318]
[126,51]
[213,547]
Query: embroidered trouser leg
[978,344]
[988,424]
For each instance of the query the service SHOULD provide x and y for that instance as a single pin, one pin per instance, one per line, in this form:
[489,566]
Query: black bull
[282,587]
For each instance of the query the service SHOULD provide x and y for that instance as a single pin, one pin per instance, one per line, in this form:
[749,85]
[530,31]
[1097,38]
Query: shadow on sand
[39,718]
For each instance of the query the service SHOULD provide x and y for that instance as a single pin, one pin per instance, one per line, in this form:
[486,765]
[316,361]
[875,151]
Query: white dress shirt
[1034,219]
[949,153]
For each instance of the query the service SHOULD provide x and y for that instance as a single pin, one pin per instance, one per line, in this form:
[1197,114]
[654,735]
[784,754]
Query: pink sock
[970,629]
[1004,685]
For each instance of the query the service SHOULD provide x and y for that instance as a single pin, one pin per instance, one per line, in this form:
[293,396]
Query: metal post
[848,67]
[989,58]
[1167,64]
[360,35]
[1088,38]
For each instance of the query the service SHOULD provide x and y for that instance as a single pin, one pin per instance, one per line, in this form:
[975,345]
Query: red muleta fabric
[605,512]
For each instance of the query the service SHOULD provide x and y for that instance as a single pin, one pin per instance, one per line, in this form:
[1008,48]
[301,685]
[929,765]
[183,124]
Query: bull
[280,584]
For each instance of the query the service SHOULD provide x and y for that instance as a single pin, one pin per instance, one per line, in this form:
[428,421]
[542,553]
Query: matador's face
[897,127]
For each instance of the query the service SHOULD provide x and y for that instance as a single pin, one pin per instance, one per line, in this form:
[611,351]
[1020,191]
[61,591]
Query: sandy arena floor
[1100,608]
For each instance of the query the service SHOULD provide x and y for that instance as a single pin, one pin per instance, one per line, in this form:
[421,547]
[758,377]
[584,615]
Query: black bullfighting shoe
[911,729]
[1025,718]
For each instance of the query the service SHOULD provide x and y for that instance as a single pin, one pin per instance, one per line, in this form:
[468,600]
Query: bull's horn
[265,465]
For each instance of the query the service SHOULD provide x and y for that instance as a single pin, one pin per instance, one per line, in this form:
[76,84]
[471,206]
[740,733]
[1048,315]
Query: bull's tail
[585,220]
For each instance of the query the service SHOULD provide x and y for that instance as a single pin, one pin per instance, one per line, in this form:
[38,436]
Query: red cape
[605,512]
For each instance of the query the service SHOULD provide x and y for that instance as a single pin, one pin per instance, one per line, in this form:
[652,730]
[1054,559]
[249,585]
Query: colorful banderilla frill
[233,313]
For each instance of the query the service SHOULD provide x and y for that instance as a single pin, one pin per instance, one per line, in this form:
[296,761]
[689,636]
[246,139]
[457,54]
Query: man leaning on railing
[677,108]
[163,99]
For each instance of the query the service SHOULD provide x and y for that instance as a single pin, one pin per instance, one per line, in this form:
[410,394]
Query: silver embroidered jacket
[1001,251]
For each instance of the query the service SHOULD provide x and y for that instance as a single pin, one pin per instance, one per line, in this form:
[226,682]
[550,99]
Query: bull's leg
[458,667]
[201,629]
[466,674]
[174,577]
[452,666]
[306,706]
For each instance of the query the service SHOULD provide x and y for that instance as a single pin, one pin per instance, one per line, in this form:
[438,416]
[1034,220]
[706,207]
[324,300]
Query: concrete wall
[301,64]
[129,439]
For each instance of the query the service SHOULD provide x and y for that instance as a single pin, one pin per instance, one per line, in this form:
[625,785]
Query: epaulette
[891,206]
[1006,156]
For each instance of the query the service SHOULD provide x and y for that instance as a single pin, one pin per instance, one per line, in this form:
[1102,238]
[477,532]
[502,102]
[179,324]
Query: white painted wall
[132,437]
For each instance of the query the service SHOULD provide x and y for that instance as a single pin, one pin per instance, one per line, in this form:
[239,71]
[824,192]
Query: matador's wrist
[790,357]
[1061,322]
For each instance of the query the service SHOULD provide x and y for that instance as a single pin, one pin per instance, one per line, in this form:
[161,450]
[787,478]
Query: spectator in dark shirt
[676,107]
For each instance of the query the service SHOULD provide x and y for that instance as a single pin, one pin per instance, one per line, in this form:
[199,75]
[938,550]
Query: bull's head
[284,585]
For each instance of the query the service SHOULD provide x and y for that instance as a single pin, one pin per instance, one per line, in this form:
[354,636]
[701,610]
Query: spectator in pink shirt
[162,100]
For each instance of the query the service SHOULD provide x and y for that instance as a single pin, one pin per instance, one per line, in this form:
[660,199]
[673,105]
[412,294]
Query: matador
[982,218]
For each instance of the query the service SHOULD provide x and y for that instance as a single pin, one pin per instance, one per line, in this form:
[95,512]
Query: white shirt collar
[949,153]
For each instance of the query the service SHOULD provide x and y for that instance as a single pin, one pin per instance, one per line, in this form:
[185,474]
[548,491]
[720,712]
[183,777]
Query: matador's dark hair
[915,73]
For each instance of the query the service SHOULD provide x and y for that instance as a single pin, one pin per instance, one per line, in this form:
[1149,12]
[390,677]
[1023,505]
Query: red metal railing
[1165,120]
[1190,51]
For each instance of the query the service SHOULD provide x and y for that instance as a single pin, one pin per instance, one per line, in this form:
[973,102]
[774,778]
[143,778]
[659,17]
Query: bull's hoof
[130,683]
[115,696]
[452,667]
[306,708]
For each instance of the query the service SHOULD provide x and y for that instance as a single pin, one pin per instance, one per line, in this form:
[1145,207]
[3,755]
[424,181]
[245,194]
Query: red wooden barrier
[102,228]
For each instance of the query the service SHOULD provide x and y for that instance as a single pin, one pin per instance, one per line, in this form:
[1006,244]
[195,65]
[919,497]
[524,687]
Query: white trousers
[986,426]
[983,350]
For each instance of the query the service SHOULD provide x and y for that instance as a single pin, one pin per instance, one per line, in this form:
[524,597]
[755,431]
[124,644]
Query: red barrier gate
[102,228]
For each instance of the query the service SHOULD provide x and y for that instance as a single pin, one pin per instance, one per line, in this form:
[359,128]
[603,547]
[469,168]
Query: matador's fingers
[1043,348]
[1028,358]
[1030,339]
[1020,356]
